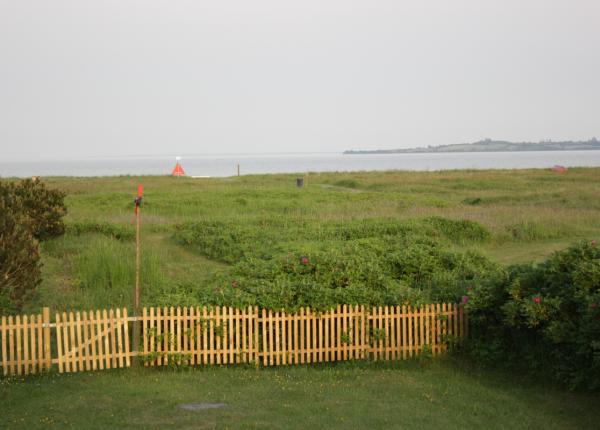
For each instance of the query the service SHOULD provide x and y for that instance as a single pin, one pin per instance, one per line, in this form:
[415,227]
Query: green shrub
[19,253]
[44,207]
[544,317]
[29,212]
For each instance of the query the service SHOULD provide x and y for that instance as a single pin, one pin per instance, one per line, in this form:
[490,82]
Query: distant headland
[489,145]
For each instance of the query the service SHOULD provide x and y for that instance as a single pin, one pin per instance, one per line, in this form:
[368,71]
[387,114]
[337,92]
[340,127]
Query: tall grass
[102,269]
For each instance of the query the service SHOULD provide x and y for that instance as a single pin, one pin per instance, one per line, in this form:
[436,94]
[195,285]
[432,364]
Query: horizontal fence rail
[97,340]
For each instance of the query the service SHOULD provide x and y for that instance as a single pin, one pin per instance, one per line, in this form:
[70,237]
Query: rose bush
[544,317]
[373,271]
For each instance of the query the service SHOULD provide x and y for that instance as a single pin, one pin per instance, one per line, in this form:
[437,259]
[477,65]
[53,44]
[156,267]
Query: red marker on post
[138,199]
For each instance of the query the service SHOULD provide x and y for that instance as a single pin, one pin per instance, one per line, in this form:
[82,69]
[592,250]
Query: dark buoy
[299,182]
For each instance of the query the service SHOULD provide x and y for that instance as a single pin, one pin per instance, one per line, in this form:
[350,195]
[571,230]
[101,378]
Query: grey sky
[117,77]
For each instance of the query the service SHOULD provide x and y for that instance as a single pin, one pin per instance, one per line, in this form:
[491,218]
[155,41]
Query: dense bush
[544,317]
[29,212]
[373,271]
[19,254]
[372,262]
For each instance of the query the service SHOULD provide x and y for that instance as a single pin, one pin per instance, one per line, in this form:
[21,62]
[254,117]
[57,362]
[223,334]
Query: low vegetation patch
[371,271]
[371,262]
[230,241]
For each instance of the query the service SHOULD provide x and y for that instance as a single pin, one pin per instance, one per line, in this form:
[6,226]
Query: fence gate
[90,341]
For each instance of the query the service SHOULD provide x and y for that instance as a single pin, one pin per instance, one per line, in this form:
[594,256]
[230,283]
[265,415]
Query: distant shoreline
[489,145]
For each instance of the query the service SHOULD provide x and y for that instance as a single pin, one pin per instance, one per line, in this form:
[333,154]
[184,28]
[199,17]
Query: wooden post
[238,169]
[136,303]
[136,300]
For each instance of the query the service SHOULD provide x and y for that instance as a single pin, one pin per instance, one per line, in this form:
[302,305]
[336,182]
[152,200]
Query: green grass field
[529,214]
[415,395]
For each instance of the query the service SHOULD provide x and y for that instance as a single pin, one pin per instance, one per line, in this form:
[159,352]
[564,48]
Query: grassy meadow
[525,215]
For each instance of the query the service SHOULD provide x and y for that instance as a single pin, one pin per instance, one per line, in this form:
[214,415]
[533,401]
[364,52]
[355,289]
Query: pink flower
[304,260]
[465,299]
[537,299]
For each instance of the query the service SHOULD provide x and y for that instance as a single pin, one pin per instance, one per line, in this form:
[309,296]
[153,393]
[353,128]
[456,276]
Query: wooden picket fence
[80,341]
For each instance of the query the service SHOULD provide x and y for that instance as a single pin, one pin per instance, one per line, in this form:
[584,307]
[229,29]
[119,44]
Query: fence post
[47,338]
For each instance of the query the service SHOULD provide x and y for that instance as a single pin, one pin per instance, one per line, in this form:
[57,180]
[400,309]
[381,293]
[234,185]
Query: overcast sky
[122,77]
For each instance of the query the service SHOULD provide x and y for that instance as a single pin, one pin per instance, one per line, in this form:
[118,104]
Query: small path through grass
[183,263]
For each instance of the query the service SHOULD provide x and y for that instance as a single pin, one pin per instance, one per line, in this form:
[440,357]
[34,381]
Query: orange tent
[178,170]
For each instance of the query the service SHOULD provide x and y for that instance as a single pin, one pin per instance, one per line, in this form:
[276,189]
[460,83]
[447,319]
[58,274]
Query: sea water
[226,165]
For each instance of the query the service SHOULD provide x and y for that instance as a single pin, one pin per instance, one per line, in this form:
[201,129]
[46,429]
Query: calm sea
[226,165]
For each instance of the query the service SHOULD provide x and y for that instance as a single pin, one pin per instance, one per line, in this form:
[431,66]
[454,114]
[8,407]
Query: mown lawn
[441,393]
